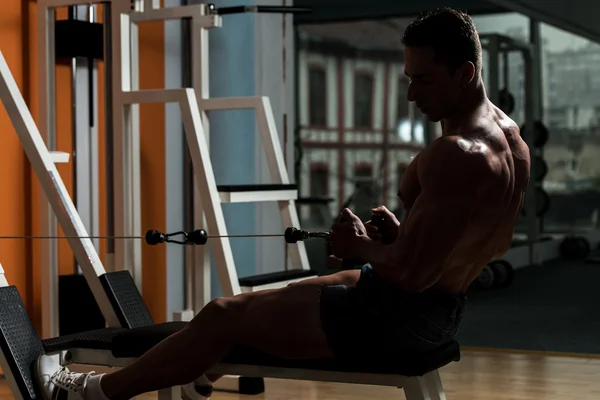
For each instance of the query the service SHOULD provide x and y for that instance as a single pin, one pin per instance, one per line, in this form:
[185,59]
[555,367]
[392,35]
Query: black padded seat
[99,339]
[135,342]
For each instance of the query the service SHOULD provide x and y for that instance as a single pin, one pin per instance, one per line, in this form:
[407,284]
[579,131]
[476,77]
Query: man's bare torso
[489,233]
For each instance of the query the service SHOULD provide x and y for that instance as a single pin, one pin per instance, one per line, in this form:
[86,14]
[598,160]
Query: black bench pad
[135,342]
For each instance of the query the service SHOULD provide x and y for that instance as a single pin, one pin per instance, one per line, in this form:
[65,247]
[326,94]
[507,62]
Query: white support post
[211,203]
[47,127]
[275,159]
[435,386]
[54,188]
[203,171]
[200,262]
[126,149]
[276,162]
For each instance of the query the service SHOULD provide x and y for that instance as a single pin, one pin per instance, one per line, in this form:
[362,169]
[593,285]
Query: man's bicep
[437,220]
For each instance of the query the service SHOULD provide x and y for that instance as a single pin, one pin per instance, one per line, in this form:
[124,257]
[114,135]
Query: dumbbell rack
[121,22]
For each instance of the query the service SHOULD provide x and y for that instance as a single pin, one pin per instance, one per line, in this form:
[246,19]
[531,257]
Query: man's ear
[467,73]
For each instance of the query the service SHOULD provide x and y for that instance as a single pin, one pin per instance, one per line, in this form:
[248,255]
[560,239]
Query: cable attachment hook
[198,236]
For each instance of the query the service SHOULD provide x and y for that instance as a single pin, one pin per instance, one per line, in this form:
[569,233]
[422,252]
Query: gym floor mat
[553,307]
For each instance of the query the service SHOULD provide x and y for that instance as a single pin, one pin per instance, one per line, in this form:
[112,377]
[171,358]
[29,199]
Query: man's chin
[433,117]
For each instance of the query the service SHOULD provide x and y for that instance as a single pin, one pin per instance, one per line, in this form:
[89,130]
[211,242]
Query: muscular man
[462,196]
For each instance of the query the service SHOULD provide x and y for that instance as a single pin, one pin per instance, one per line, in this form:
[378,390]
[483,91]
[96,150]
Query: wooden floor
[479,375]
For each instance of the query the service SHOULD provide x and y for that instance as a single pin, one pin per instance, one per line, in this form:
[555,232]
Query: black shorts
[375,318]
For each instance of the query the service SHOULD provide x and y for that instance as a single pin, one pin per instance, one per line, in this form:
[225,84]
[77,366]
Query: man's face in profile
[433,88]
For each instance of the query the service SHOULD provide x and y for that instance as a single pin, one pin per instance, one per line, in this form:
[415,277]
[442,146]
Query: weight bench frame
[20,346]
[426,387]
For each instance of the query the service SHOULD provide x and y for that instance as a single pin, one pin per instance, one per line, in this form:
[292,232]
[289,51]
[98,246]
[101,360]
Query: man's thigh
[348,278]
[285,322]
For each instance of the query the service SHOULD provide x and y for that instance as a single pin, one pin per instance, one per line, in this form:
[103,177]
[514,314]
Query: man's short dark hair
[451,33]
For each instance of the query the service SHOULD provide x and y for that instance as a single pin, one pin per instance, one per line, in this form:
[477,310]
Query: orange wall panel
[152,140]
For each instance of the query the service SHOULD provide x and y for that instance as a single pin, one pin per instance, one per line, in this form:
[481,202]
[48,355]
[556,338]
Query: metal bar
[530,197]
[192,11]
[132,138]
[153,96]
[493,69]
[49,4]
[505,70]
[108,123]
[188,174]
[262,9]
[121,81]
[205,179]
[47,129]
[200,83]
[229,103]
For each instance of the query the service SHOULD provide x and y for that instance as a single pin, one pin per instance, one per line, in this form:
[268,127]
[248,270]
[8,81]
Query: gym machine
[536,250]
[116,42]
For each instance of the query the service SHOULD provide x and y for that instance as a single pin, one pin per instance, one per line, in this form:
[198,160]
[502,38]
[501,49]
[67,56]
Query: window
[319,187]
[317,105]
[363,100]
[402,106]
[364,191]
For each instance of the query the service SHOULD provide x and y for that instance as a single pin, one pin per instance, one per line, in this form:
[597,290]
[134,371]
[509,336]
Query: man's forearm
[384,258]
[377,253]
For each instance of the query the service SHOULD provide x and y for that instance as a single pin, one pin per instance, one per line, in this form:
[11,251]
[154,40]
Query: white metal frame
[198,257]
[198,260]
[52,185]
[126,151]
[47,129]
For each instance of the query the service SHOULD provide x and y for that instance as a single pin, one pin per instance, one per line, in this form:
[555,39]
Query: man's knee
[223,310]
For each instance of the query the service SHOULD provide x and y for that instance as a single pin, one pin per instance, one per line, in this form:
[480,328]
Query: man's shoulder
[459,151]
[455,157]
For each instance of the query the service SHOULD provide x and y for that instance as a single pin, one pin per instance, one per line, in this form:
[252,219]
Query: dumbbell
[496,274]
[575,248]
[504,273]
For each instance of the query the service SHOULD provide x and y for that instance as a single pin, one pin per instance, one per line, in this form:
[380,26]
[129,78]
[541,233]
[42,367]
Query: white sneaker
[57,382]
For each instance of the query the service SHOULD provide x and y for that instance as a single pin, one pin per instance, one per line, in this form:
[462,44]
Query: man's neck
[473,98]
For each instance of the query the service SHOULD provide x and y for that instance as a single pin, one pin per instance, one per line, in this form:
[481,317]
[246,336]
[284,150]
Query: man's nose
[410,93]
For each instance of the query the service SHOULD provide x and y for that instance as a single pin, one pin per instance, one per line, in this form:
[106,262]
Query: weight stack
[541,136]
[77,306]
